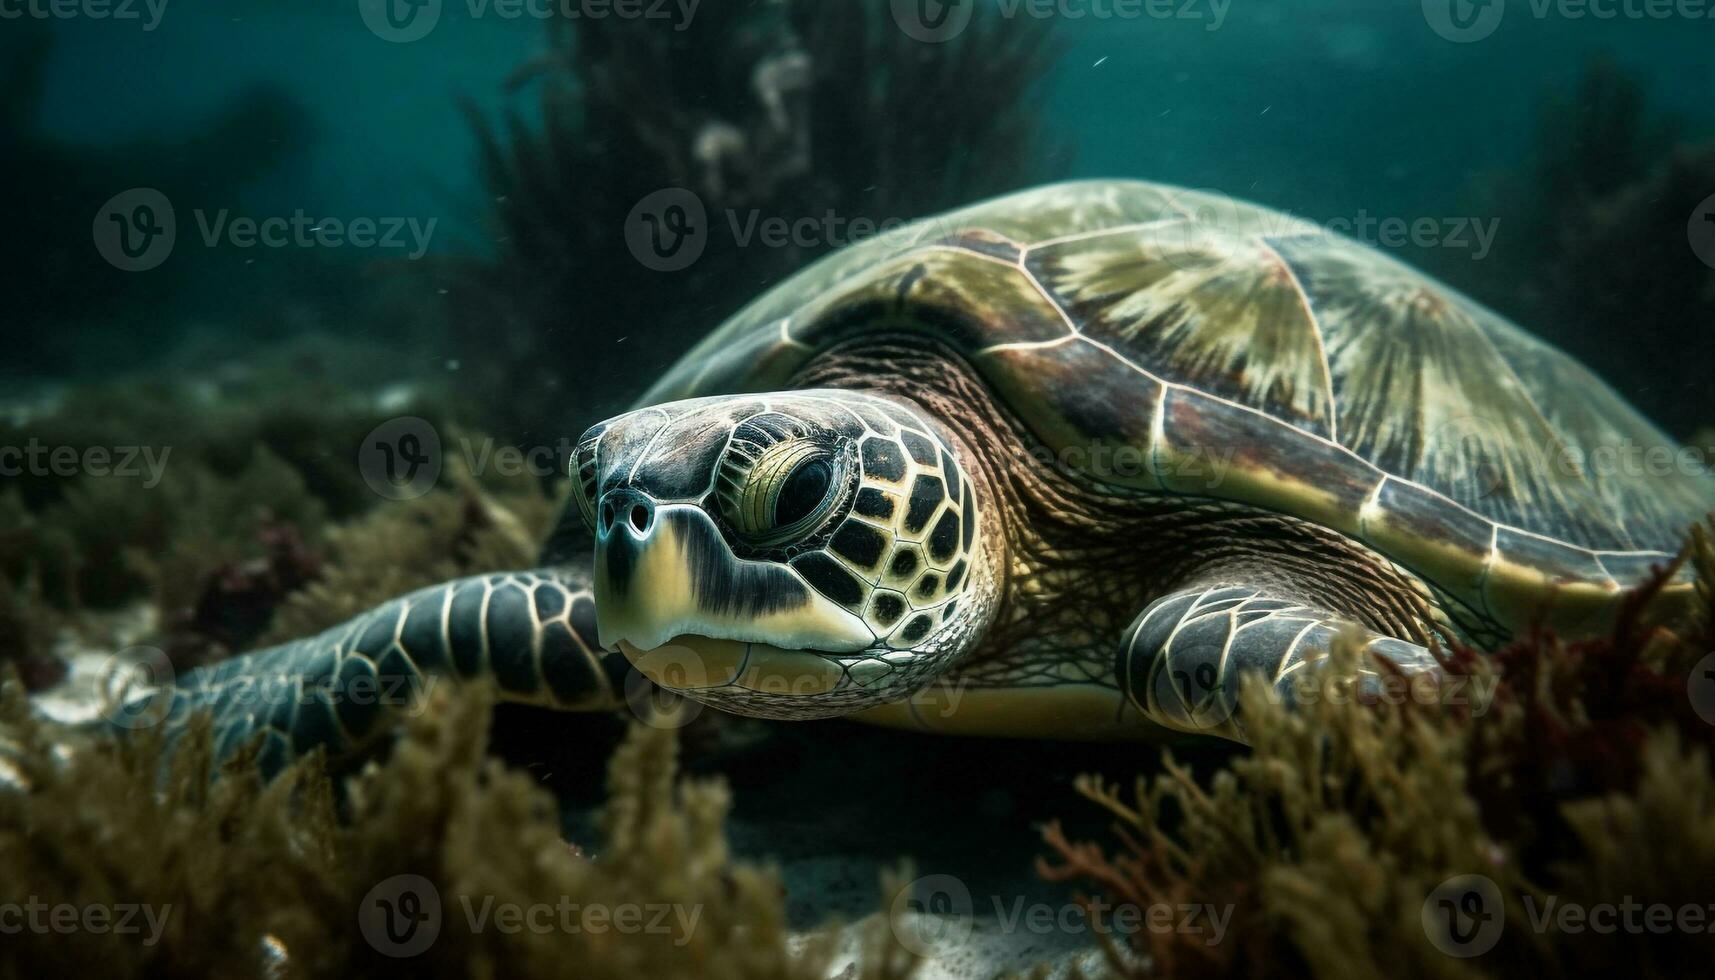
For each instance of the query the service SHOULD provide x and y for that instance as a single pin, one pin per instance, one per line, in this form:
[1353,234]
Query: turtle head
[795,555]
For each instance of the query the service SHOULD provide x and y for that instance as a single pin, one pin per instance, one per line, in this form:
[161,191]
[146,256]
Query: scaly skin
[532,632]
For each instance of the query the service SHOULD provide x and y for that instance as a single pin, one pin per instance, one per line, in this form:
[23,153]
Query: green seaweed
[213,501]
[394,550]
[254,879]
[1586,779]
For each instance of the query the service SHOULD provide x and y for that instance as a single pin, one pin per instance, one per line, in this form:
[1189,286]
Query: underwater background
[526,139]
[466,198]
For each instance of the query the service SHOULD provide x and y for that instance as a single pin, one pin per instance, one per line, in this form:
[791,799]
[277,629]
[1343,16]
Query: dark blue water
[1319,106]
[1336,110]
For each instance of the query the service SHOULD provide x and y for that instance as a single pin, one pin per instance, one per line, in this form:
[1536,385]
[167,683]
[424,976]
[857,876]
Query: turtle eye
[803,491]
[783,493]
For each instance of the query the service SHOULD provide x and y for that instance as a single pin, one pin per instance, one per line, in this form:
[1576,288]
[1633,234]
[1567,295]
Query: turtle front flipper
[1182,661]
[533,633]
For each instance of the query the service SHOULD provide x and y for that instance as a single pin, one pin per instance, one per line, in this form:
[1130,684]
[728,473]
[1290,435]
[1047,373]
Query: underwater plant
[215,502]
[798,111]
[236,878]
[1585,780]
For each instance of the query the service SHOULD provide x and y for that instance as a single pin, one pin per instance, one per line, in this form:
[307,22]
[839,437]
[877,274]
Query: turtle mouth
[699,665]
[673,579]
[765,681]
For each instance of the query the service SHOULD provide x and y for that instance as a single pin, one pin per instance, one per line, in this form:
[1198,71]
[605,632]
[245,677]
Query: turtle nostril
[624,506]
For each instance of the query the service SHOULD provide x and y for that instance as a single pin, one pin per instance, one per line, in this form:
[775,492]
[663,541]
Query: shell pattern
[1327,381]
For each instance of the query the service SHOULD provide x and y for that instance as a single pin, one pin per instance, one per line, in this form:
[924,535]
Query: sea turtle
[1067,463]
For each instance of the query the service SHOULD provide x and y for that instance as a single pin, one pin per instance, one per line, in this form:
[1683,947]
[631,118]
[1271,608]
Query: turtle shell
[1172,341]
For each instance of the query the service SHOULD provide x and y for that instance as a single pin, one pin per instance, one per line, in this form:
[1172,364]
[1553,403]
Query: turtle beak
[664,571]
